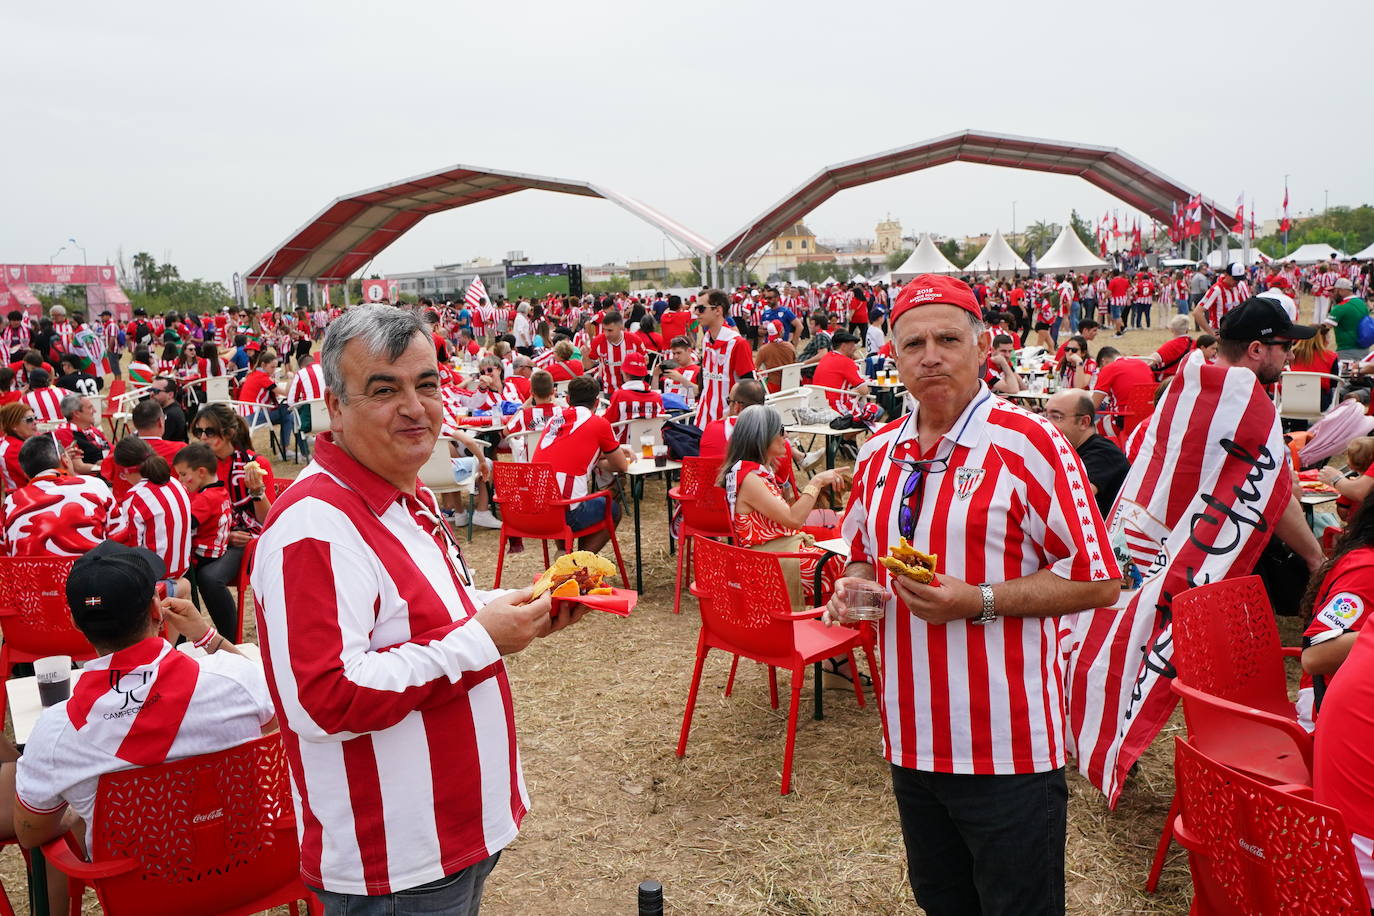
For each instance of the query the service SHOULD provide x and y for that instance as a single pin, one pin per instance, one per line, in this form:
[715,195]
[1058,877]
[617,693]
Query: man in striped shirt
[973,715]
[1229,291]
[725,356]
[383,658]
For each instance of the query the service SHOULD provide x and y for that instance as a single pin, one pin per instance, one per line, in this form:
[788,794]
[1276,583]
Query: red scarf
[137,697]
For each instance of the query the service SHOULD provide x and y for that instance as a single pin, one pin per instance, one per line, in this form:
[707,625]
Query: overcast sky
[207,133]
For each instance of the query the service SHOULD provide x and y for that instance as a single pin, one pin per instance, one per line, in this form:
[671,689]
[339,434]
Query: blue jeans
[458,894]
[584,515]
[984,844]
[1075,315]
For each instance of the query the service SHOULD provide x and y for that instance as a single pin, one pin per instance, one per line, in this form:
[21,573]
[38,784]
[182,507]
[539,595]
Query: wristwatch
[989,613]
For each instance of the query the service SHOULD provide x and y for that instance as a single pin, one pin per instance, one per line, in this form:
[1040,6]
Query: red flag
[1240,215]
[1116,230]
[1285,224]
[1120,659]
[1193,216]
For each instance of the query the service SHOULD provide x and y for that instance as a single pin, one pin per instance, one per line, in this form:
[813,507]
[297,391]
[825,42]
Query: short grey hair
[1178,324]
[70,405]
[383,329]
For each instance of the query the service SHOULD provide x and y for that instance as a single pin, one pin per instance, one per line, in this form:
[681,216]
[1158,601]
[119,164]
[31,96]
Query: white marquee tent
[1364,254]
[926,259]
[1069,253]
[858,278]
[1311,253]
[997,258]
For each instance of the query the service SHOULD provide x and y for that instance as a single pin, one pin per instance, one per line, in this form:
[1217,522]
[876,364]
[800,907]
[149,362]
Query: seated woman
[760,518]
[261,387]
[1075,368]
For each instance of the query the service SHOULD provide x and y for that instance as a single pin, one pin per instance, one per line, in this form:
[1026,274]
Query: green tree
[1037,239]
[145,270]
[617,284]
[897,258]
[1350,229]
[1083,229]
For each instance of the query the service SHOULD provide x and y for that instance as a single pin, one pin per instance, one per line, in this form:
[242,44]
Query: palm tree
[1038,237]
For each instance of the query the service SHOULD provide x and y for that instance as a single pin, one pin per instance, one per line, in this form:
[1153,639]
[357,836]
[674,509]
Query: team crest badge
[966,480]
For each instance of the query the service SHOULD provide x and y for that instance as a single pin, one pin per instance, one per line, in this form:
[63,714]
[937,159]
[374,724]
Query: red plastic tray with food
[580,577]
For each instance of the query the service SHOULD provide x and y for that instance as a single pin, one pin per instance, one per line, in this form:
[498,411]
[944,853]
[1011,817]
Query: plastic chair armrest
[1290,727]
[1291,651]
[59,853]
[7,611]
[1186,839]
[581,499]
[807,614]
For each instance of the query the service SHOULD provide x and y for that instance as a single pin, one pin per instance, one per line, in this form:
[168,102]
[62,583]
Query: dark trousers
[990,845]
[212,579]
[458,894]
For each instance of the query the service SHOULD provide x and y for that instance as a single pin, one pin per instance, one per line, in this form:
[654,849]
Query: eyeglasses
[1057,416]
[1071,350]
[699,309]
[914,489]
[29,420]
[1286,344]
[201,432]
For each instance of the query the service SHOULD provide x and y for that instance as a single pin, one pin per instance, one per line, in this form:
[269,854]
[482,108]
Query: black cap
[1262,318]
[842,337]
[113,577]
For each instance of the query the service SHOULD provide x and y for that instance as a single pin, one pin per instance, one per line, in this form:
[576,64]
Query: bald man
[1071,411]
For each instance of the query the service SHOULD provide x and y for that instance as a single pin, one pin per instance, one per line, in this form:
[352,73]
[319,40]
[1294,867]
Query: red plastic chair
[212,834]
[34,619]
[1140,403]
[117,387]
[1235,692]
[1261,850]
[532,506]
[244,582]
[746,610]
[705,513]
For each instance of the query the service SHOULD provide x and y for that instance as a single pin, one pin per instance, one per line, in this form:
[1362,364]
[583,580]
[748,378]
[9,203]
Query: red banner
[377,290]
[74,274]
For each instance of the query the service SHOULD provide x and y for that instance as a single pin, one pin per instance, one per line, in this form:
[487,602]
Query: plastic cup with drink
[660,456]
[646,446]
[861,599]
[54,676]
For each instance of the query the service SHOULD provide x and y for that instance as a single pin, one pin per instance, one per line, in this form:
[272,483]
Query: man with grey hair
[383,655]
[523,329]
[81,427]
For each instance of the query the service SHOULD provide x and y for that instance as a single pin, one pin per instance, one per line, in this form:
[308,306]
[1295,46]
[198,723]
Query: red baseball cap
[634,364]
[931,289]
[774,329]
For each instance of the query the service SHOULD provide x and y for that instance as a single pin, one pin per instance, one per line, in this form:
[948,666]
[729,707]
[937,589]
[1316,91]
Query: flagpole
[1285,216]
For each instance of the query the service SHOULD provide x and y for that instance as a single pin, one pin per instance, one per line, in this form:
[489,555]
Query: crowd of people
[1012,493]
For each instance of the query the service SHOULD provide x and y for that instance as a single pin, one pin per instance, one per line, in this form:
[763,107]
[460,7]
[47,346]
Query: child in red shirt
[198,469]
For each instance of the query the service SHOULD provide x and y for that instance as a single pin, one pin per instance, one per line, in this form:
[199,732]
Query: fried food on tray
[905,560]
[574,575]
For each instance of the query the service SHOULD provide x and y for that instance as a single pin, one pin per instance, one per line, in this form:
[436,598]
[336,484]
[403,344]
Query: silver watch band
[989,613]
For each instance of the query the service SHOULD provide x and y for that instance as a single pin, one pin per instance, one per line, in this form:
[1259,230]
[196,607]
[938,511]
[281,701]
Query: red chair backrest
[1226,643]
[210,833]
[34,618]
[704,506]
[1257,849]
[1140,403]
[527,494]
[740,590]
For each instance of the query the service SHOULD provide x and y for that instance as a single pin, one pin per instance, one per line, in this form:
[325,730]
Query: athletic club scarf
[131,703]
[1198,506]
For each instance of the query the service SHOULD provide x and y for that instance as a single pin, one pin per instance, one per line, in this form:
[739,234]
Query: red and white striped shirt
[158,517]
[57,514]
[633,402]
[572,442]
[46,403]
[724,361]
[1219,300]
[308,385]
[211,515]
[609,357]
[394,703]
[1013,499]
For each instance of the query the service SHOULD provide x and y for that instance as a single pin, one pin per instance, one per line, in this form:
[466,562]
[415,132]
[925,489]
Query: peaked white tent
[858,278]
[997,258]
[1069,253]
[926,259]
[1311,253]
[1364,254]
[829,281]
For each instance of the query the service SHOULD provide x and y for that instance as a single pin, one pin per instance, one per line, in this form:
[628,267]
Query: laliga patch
[966,480]
[1342,610]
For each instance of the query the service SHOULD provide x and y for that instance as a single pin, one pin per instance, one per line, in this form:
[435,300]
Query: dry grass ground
[598,710]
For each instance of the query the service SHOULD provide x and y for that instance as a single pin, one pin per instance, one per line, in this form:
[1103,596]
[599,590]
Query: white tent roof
[997,258]
[1069,253]
[1364,254]
[926,259]
[1311,253]
[858,278]
[885,279]
[829,281]
[1237,256]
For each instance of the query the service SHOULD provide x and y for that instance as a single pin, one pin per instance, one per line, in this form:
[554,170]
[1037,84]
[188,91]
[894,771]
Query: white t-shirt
[62,766]
[873,339]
